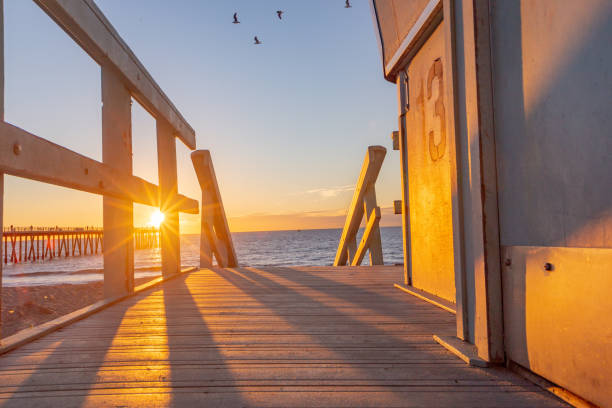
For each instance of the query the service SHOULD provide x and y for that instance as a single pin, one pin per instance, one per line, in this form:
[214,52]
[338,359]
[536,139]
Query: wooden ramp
[300,336]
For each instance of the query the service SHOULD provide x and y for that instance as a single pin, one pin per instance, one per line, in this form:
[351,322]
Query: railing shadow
[195,360]
[346,339]
[178,345]
[72,366]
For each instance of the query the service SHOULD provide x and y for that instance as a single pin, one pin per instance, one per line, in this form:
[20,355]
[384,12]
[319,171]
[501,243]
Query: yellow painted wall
[429,172]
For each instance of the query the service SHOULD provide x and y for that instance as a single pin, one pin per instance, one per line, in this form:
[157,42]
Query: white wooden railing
[123,77]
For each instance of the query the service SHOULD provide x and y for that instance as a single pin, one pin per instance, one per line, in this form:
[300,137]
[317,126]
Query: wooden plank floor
[305,336]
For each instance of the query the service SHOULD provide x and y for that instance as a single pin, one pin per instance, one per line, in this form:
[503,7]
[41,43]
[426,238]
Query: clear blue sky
[287,122]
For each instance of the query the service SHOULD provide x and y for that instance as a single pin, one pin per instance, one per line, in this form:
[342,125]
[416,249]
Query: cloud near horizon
[303,220]
[329,192]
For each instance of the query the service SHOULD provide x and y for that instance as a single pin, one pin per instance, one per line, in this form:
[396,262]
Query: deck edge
[28,335]
[428,297]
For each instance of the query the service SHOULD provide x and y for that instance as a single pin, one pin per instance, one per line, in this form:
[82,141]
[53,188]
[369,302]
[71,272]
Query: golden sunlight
[156,218]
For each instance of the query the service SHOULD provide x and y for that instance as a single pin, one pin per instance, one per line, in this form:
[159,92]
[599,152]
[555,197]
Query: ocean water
[267,248]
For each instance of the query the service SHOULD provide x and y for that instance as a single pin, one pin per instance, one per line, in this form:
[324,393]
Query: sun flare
[157,218]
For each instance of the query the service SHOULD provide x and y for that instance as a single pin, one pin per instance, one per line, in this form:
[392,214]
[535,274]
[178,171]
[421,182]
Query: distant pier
[23,244]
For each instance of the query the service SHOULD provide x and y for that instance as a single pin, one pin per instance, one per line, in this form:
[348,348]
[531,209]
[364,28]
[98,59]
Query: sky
[287,122]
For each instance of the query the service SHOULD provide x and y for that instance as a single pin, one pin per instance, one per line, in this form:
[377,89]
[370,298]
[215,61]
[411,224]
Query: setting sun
[157,218]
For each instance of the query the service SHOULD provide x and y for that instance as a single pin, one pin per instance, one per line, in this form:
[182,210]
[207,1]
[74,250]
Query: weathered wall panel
[557,322]
[553,87]
[553,119]
[429,172]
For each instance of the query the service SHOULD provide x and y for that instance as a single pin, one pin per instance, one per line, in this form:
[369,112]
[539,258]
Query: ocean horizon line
[293,229]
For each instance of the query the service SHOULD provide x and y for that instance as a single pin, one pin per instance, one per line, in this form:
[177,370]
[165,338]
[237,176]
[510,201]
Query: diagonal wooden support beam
[368,234]
[369,173]
[215,236]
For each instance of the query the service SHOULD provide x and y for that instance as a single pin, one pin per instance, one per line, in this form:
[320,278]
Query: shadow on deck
[300,336]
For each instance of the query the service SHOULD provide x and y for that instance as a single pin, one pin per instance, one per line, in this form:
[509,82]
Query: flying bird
[236,19]
[347,4]
[257,42]
[280,14]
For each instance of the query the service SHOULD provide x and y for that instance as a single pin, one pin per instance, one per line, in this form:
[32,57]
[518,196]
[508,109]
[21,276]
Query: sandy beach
[28,306]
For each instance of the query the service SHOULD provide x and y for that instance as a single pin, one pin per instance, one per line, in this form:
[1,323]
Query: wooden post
[118,219]
[351,248]
[374,242]
[479,177]
[169,229]
[456,152]
[402,97]
[368,235]
[206,230]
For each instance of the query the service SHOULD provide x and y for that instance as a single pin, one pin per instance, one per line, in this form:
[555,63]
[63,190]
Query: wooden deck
[305,336]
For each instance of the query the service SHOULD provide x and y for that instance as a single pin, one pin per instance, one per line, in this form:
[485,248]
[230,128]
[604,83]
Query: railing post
[375,244]
[351,248]
[206,235]
[169,229]
[118,218]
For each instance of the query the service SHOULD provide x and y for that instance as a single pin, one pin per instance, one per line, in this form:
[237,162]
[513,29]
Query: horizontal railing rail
[25,155]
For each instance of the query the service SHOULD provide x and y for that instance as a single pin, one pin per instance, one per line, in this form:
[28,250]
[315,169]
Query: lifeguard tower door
[429,171]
